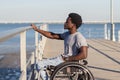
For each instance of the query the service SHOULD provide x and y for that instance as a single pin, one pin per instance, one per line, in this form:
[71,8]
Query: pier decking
[103,57]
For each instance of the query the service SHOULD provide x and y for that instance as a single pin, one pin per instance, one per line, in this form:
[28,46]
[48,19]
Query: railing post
[36,45]
[89,33]
[108,34]
[42,42]
[119,36]
[113,32]
[105,32]
[23,54]
[33,58]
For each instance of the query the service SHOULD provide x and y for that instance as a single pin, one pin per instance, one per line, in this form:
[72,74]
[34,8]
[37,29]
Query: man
[75,45]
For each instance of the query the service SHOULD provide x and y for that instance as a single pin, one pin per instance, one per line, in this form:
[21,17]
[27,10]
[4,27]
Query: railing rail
[10,33]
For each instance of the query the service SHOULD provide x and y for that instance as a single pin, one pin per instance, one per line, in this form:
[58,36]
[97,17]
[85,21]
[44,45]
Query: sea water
[88,30]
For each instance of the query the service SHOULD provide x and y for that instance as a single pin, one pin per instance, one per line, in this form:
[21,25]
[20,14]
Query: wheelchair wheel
[71,71]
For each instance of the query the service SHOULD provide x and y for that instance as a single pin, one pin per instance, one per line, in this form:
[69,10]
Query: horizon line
[57,21]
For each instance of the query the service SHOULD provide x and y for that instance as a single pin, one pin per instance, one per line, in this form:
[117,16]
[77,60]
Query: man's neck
[72,31]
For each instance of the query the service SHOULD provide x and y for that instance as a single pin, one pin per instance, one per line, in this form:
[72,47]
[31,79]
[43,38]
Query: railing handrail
[13,32]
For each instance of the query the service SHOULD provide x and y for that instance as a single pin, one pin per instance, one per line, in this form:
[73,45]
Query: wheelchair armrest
[83,62]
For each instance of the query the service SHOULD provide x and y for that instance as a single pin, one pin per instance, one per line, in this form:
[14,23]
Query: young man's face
[68,24]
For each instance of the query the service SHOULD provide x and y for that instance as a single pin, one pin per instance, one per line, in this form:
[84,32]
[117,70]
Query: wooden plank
[53,48]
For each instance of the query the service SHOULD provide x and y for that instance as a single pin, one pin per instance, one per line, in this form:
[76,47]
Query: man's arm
[46,33]
[80,56]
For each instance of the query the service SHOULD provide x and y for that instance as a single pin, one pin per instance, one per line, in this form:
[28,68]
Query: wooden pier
[103,57]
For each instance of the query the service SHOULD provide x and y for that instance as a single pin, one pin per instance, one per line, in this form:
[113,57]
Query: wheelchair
[70,71]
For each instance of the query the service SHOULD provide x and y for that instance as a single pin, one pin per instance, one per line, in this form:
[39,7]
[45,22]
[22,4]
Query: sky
[57,10]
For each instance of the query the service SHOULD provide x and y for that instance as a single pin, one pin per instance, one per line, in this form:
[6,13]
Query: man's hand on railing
[34,27]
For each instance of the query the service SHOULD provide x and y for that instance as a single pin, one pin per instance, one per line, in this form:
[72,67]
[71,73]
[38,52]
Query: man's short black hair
[76,19]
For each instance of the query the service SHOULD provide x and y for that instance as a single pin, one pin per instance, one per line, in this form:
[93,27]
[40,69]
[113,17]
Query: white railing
[101,33]
[10,33]
[107,33]
[42,42]
[119,36]
[39,47]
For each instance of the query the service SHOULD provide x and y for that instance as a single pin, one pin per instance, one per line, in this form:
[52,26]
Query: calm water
[88,30]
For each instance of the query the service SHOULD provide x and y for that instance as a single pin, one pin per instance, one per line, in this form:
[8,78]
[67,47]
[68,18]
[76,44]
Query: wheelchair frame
[81,73]
[81,70]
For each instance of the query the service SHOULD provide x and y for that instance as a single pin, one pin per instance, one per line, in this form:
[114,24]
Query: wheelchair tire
[86,73]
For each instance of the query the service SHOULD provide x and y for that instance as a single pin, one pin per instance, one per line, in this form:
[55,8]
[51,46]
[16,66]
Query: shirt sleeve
[63,35]
[81,41]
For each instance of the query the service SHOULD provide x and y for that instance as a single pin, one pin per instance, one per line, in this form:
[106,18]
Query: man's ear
[74,25]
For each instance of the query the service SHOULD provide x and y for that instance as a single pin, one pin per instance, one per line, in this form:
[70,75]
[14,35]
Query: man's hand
[34,27]
[65,58]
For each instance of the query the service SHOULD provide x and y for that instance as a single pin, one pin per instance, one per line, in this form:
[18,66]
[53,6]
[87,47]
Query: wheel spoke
[72,71]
